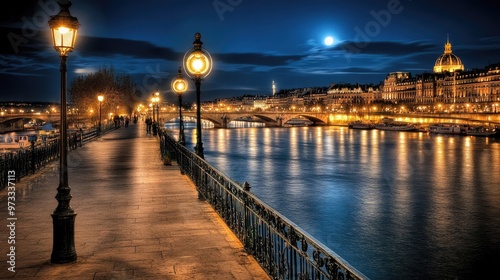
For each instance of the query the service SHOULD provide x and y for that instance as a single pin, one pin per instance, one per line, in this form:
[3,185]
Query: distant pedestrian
[149,123]
[127,120]
[74,141]
[116,120]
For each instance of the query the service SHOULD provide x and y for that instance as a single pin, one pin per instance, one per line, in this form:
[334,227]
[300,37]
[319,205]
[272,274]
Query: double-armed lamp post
[63,27]
[198,65]
[179,86]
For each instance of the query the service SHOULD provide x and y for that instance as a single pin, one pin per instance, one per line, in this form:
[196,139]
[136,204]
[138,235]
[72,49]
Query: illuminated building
[448,62]
[476,90]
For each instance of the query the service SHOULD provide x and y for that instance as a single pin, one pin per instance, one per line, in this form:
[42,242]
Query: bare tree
[120,94]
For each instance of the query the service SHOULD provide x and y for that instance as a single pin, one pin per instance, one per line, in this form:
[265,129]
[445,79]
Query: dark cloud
[385,48]
[104,47]
[258,59]
[18,41]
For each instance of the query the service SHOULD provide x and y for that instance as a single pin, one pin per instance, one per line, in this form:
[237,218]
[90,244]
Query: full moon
[329,40]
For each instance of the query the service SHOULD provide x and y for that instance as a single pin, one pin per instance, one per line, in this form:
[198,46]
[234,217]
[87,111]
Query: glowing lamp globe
[198,63]
[197,60]
[179,84]
[64,27]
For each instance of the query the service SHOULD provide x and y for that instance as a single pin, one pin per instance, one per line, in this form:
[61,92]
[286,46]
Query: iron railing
[30,159]
[282,248]
[27,161]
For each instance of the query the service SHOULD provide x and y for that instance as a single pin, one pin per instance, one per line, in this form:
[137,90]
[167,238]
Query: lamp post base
[63,250]
[198,149]
[155,129]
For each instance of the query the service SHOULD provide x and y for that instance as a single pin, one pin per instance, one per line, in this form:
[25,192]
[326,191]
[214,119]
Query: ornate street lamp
[63,27]
[179,86]
[100,98]
[198,65]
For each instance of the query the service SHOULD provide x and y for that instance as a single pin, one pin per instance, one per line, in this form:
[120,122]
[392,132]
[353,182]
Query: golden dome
[448,62]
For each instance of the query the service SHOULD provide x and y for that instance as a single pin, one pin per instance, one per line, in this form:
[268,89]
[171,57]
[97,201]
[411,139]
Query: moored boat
[449,128]
[361,125]
[483,131]
[20,142]
[396,126]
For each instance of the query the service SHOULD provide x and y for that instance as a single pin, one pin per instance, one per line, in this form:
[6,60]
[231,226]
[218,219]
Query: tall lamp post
[100,98]
[154,100]
[179,86]
[63,27]
[157,109]
[198,65]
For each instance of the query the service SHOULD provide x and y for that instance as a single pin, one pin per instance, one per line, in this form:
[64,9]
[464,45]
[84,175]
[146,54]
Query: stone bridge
[270,119]
[45,117]
[13,122]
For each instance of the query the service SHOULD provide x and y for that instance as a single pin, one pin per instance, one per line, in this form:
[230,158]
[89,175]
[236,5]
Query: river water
[395,205]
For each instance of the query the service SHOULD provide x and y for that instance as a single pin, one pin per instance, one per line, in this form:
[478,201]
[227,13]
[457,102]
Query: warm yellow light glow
[100,98]
[64,39]
[63,30]
[179,85]
[198,63]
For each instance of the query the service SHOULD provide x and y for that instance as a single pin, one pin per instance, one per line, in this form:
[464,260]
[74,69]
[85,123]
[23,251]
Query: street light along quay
[179,86]
[198,65]
[100,98]
[157,94]
[63,27]
[155,100]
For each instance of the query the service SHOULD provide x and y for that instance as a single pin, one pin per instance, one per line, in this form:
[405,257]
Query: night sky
[252,42]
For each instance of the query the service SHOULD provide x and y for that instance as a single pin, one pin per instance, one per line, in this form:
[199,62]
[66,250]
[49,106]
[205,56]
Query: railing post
[33,156]
[246,186]
[200,179]
[246,217]
[81,137]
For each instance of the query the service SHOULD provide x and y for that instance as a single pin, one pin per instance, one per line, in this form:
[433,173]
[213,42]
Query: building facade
[449,88]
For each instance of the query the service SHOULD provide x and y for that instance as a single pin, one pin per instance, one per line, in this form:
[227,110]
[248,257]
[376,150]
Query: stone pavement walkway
[136,218]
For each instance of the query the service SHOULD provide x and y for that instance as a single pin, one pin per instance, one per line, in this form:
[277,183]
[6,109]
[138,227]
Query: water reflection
[395,205]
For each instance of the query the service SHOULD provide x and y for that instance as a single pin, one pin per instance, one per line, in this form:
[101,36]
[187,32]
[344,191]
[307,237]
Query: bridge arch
[319,119]
[270,119]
